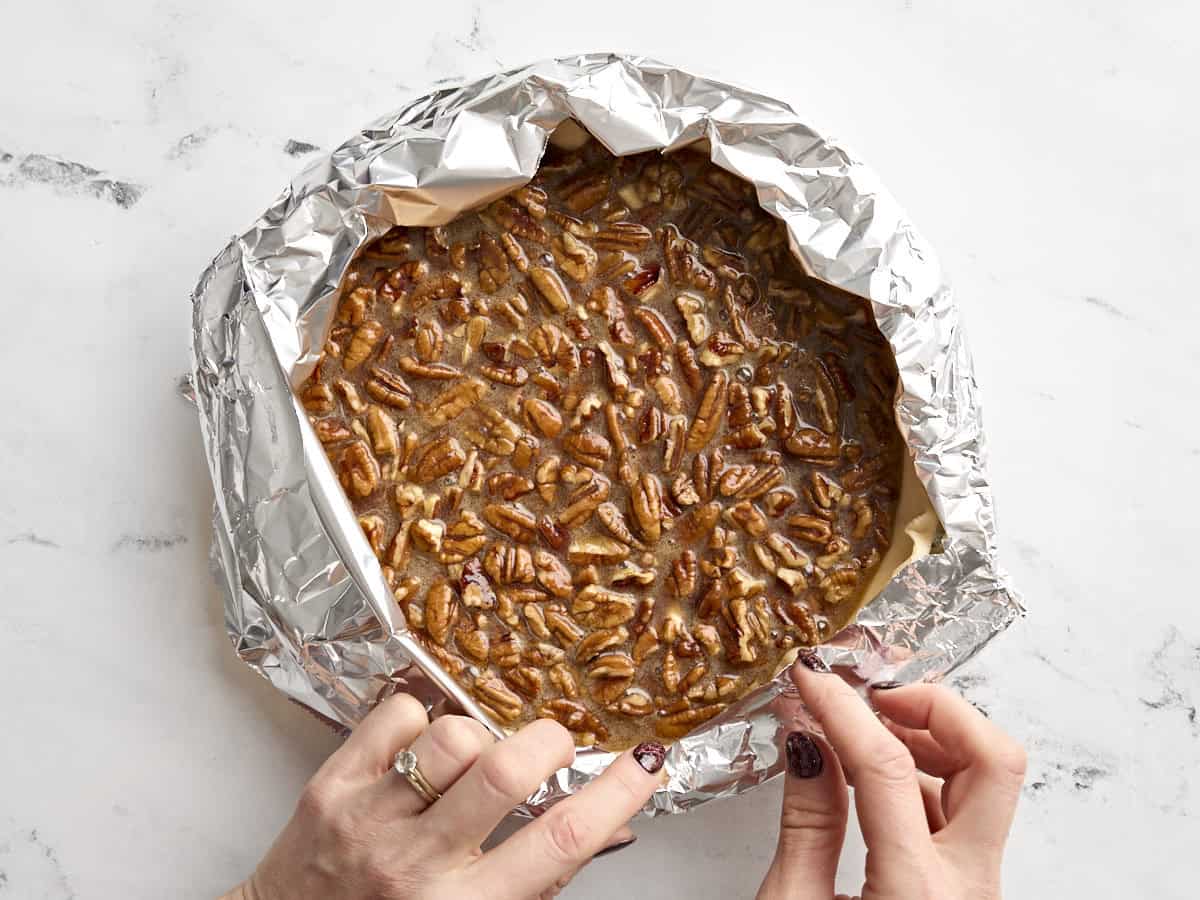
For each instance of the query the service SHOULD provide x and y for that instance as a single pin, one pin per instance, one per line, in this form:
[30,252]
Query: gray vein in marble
[473,40]
[1174,658]
[1055,667]
[1087,776]
[72,177]
[1107,307]
[190,142]
[294,147]
[172,70]
[965,683]
[1081,772]
[149,543]
[32,864]
[30,537]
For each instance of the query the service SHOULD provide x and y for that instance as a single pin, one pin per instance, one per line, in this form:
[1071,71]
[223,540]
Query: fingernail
[619,845]
[650,755]
[813,662]
[803,755]
[886,685]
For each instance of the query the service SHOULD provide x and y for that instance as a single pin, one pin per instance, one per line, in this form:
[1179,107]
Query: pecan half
[513,520]
[439,458]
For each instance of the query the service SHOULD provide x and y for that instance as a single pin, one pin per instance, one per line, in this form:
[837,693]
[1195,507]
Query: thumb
[813,824]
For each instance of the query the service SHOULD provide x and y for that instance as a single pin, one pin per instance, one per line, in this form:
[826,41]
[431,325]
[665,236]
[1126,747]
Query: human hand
[361,830]
[935,787]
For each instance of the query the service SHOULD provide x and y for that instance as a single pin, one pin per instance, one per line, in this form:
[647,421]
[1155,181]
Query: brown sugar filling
[616,453]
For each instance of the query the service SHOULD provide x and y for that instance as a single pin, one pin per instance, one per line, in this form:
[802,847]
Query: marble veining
[30,867]
[140,759]
[36,540]
[149,543]
[1174,669]
[69,177]
[294,147]
[1102,304]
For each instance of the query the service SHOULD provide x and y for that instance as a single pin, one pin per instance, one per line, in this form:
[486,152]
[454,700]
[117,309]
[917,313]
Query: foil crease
[305,602]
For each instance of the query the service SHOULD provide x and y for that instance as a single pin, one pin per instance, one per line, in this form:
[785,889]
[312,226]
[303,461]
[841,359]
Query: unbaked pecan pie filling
[616,453]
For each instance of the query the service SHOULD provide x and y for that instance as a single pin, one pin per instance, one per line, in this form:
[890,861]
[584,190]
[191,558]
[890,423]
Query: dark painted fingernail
[650,756]
[619,845]
[813,662]
[886,685]
[803,755]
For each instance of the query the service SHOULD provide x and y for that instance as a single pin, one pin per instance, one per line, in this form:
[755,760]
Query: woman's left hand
[362,831]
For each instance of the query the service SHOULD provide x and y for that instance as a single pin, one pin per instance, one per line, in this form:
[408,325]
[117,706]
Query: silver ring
[406,764]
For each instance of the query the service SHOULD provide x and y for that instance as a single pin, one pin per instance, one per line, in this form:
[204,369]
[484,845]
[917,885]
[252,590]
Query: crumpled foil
[305,601]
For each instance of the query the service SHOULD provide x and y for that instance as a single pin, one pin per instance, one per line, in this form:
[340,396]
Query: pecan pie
[616,453]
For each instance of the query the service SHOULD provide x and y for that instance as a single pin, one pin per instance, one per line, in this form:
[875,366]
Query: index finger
[967,734]
[887,796]
[573,831]
[990,765]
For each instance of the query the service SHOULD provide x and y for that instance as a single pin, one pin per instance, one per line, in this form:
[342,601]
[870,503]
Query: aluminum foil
[305,601]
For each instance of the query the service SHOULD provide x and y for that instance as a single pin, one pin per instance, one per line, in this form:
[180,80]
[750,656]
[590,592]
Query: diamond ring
[406,764]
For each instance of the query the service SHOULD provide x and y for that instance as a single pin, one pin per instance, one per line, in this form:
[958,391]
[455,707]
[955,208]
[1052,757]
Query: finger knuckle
[316,800]
[1012,761]
[403,706]
[567,837]
[344,829]
[889,761]
[810,825]
[633,792]
[831,697]
[800,808]
[555,736]
[455,739]
[503,777]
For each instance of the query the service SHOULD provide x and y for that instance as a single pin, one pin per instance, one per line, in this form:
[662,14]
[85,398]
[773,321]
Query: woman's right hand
[935,786]
[362,831]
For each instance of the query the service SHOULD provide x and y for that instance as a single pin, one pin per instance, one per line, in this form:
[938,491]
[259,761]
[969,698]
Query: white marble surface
[1045,148]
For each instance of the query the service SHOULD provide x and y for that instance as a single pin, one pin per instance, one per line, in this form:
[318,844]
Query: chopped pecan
[498,697]
[441,611]
[552,574]
[455,400]
[513,520]
[576,718]
[317,398]
[508,485]
[709,414]
[656,326]
[575,257]
[389,388]
[589,448]
[412,366]
[365,338]
[596,549]
[583,502]
[623,236]
[358,470]
[600,607]
[332,431]
[645,501]
[550,286]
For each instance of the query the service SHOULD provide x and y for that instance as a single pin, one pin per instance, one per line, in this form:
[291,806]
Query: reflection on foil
[305,602]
